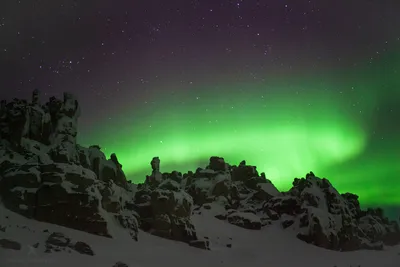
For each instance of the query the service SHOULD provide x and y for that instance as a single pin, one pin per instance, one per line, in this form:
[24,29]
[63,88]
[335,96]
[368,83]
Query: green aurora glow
[286,129]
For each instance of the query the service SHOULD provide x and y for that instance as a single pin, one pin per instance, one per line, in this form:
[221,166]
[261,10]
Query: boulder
[9,244]
[245,220]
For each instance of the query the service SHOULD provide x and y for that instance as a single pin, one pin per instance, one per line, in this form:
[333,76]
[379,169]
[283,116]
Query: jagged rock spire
[3,104]
[35,97]
[155,164]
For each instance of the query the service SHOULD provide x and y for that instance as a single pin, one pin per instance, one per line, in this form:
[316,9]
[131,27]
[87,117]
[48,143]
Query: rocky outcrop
[120,264]
[329,219]
[239,188]
[46,176]
[164,207]
[312,207]
[243,197]
[246,220]
[57,242]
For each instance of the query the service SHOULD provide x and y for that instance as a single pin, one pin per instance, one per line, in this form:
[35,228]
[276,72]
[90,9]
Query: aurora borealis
[314,130]
[289,86]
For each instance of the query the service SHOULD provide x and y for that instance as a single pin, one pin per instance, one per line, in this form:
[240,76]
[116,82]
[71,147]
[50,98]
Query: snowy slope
[270,246]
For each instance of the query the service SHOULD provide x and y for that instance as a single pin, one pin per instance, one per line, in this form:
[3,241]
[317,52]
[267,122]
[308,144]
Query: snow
[209,171]
[69,187]
[202,183]
[182,196]
[95,152]
[170,184]
[24,189]
[23,207]
[222,177]
[270,246]
[326,221]
[119,192]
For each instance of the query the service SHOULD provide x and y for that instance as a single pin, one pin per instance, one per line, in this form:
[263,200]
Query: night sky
[289,86]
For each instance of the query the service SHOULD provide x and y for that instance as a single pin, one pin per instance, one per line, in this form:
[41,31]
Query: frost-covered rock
[238,188]
[165,208]
[331,220]
[165,211]
[246,220]
[57,242]
[45,175]
[211,183]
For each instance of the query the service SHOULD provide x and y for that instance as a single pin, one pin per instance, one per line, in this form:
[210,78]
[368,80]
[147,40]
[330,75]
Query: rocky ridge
[45,175]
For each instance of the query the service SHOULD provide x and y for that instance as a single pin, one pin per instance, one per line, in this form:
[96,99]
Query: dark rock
[244,172]
[10,244]
[287,223]
[217,164]
[202,244]
[120,264]
[79,211]
[290,205]
[83,248]
[165,210]
[245,220]
[273,215]
[128,220]
[221,188]
[18,192]
[207,206]
[58,239]
[51,177]
[175,176]
[220,216]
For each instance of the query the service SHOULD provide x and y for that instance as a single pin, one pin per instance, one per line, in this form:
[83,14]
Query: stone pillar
[35,97]
[3,104]
[155,164]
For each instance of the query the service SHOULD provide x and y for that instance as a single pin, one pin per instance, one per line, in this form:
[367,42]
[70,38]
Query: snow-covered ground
[270,247]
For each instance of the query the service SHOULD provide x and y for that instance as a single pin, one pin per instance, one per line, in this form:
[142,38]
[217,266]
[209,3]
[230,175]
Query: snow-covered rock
[246,220]
[46,176]
[165,208]
[322,216]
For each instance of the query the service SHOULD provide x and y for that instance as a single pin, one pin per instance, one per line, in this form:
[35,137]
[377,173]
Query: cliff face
[45,175]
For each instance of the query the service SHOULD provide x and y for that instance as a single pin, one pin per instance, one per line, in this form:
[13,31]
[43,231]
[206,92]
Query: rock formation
[165,208]
[156,176]
[45,175]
